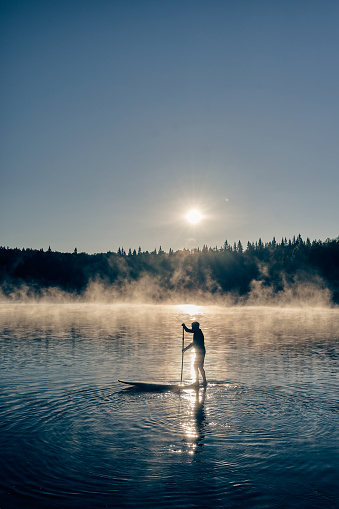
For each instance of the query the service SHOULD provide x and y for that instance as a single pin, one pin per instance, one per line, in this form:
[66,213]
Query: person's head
[195,326]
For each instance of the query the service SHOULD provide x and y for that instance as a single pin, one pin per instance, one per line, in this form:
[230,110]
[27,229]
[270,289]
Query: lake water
[264,434]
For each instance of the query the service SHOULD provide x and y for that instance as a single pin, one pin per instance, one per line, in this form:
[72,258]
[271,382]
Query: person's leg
[203,374]
[199,366]
[196,371]
[202,370]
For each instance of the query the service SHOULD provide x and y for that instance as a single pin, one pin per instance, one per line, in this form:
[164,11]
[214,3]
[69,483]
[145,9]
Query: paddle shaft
[182,353]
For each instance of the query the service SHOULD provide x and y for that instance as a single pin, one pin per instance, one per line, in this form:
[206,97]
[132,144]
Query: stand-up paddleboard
[155,386]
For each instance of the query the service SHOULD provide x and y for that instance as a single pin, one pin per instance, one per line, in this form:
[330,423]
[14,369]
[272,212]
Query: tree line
[230,269]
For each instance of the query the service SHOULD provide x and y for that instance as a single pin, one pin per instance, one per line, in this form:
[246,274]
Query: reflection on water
[195,421]
[191,310]
[262,434]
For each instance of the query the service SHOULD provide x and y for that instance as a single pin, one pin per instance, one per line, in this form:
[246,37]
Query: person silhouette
[198,344]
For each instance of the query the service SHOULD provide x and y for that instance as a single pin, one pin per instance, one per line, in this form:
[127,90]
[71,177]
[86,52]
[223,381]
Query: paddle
[182,353]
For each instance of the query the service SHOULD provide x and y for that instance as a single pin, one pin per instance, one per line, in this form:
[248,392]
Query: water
[264,434]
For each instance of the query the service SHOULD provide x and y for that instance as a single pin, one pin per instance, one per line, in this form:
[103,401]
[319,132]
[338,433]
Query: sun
[194,216]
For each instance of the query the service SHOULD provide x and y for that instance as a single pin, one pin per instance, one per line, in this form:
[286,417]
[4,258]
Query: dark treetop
[229,270]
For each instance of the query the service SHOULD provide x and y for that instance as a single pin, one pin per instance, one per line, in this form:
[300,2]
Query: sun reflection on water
[191,309]
[192,366]
[194,422]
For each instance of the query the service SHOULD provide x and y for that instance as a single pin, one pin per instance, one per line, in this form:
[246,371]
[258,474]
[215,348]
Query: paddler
[198,344]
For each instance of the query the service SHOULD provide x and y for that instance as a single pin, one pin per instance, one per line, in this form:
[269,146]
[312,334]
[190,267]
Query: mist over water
[301,294]
[263,434]
[290,273]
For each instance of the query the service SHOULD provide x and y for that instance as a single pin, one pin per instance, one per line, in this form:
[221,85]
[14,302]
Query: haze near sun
[194,216]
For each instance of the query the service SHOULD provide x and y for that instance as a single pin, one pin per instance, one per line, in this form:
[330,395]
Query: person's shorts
[199,358]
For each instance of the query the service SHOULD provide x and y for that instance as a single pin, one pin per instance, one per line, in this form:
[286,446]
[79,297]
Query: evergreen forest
[259,272]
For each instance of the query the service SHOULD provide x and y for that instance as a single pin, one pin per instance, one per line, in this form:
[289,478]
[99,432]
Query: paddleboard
[155,386]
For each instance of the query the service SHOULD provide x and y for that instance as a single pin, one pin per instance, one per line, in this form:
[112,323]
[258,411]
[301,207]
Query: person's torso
[198,340]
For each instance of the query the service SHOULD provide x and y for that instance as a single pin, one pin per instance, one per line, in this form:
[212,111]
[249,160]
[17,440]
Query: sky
[118,117]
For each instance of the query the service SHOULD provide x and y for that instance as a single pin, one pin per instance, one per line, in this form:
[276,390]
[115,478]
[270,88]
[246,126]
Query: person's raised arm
[191,344]
[186,329]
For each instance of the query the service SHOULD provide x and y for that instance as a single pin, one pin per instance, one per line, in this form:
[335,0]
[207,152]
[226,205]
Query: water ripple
[262,432]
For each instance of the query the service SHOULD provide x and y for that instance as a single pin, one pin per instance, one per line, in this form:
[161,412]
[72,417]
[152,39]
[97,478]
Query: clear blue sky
[118,117]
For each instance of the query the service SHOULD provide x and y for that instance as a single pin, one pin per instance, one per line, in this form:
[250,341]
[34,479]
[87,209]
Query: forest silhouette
[261,268]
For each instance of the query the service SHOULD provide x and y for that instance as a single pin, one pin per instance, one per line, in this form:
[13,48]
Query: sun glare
[190,309]
[194,216]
